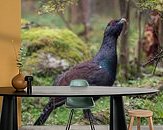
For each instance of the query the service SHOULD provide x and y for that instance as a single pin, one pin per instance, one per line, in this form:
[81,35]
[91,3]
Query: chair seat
[140,113]
[80,102]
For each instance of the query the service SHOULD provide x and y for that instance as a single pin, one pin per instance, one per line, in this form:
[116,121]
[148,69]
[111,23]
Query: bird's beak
[123,20]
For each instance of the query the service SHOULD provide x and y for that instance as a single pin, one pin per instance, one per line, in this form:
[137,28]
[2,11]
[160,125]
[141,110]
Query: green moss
[59,46]
[61,39]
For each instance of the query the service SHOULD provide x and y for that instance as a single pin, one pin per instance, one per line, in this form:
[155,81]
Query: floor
[77,127]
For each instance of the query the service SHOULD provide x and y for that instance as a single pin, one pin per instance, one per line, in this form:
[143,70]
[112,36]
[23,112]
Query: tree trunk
[125,12]
[67,23]
[122,5]
[74,13]
[139,45]
[85,7]
[161,38]
[161,32]
[29,6]
[80,14]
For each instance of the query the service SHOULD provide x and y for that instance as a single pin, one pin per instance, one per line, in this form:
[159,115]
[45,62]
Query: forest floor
[31,107]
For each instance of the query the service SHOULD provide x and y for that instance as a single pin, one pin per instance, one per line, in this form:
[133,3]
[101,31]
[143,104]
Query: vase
[18,82]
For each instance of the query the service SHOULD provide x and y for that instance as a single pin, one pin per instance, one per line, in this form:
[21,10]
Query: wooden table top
[46,91]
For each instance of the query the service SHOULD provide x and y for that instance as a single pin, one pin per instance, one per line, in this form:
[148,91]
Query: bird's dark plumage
[100,71]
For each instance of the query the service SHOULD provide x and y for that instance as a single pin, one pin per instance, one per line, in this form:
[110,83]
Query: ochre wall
[10,14]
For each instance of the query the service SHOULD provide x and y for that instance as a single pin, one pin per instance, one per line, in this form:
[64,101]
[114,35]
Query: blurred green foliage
[151,5]
[33,106]
[153,103]
[48,6]
[61,44]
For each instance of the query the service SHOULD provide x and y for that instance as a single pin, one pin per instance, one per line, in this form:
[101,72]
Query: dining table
[117,114]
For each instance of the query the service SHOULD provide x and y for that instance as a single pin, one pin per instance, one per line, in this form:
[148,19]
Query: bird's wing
[89,71]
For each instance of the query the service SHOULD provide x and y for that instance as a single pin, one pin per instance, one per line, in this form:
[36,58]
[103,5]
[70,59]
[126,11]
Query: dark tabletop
[46,91]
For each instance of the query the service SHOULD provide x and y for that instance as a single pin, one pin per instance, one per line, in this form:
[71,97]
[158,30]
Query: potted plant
[18,81]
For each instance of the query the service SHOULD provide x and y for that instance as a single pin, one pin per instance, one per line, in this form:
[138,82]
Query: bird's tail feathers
[52,104]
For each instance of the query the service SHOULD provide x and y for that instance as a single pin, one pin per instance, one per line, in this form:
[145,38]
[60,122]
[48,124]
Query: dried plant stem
[14,49]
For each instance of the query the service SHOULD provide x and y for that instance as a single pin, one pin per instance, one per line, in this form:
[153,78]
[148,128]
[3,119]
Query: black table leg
[9,113]
[15,119]
[117,114]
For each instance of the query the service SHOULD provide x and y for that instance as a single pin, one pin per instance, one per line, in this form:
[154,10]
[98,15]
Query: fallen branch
[155,58]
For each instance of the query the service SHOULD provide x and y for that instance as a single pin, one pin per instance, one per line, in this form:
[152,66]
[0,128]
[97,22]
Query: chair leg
[92,116]
[150,123]
[90,119]
[131,123]
[70,119]
[138,123]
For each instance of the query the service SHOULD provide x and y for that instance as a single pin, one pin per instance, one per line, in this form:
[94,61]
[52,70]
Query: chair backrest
[79,102]
[79,83]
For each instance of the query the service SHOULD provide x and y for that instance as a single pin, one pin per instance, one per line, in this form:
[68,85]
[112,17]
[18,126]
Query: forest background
[57,35]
